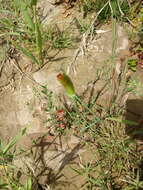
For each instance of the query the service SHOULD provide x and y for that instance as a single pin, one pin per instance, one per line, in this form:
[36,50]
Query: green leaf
[24,8]
[9,34]
[39,43]
[4,186]
[33,2]
[28,54]
[28,18]
[13,141]
[132,61]
[18,4]
[77,171]
[122,121]
[28,185]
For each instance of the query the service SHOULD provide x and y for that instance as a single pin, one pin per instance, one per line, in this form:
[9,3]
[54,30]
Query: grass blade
[28,54]
[13,141]
[23,7]
[9,34]
[122,121]
[39,43]
[28,18]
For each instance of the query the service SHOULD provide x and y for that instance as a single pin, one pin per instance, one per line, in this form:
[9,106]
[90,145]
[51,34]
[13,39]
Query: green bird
[67,84]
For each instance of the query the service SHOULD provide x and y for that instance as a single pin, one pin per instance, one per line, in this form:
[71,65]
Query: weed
[58,39]
[115,8]
[135,32]
[62,41]
[137,63]
[82,25]
[22,29]
[136,87]
[132,63]
[8,153]
[88,6]
[104,129]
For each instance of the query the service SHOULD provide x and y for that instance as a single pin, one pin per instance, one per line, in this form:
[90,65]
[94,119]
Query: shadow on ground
[134,112]
[50,168]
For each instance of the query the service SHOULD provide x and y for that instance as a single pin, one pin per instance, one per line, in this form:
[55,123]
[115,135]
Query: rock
[49,12]
[48,79]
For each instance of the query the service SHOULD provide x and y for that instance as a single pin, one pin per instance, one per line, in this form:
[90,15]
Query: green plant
[116,8]
[32,26]
[14,186]
[82,25]
[104,128]
[135,86]
[88,5]
[134,183]
[113,158]
[132,63]
[136,20]
[8,153]
[58,39]
[22,29]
